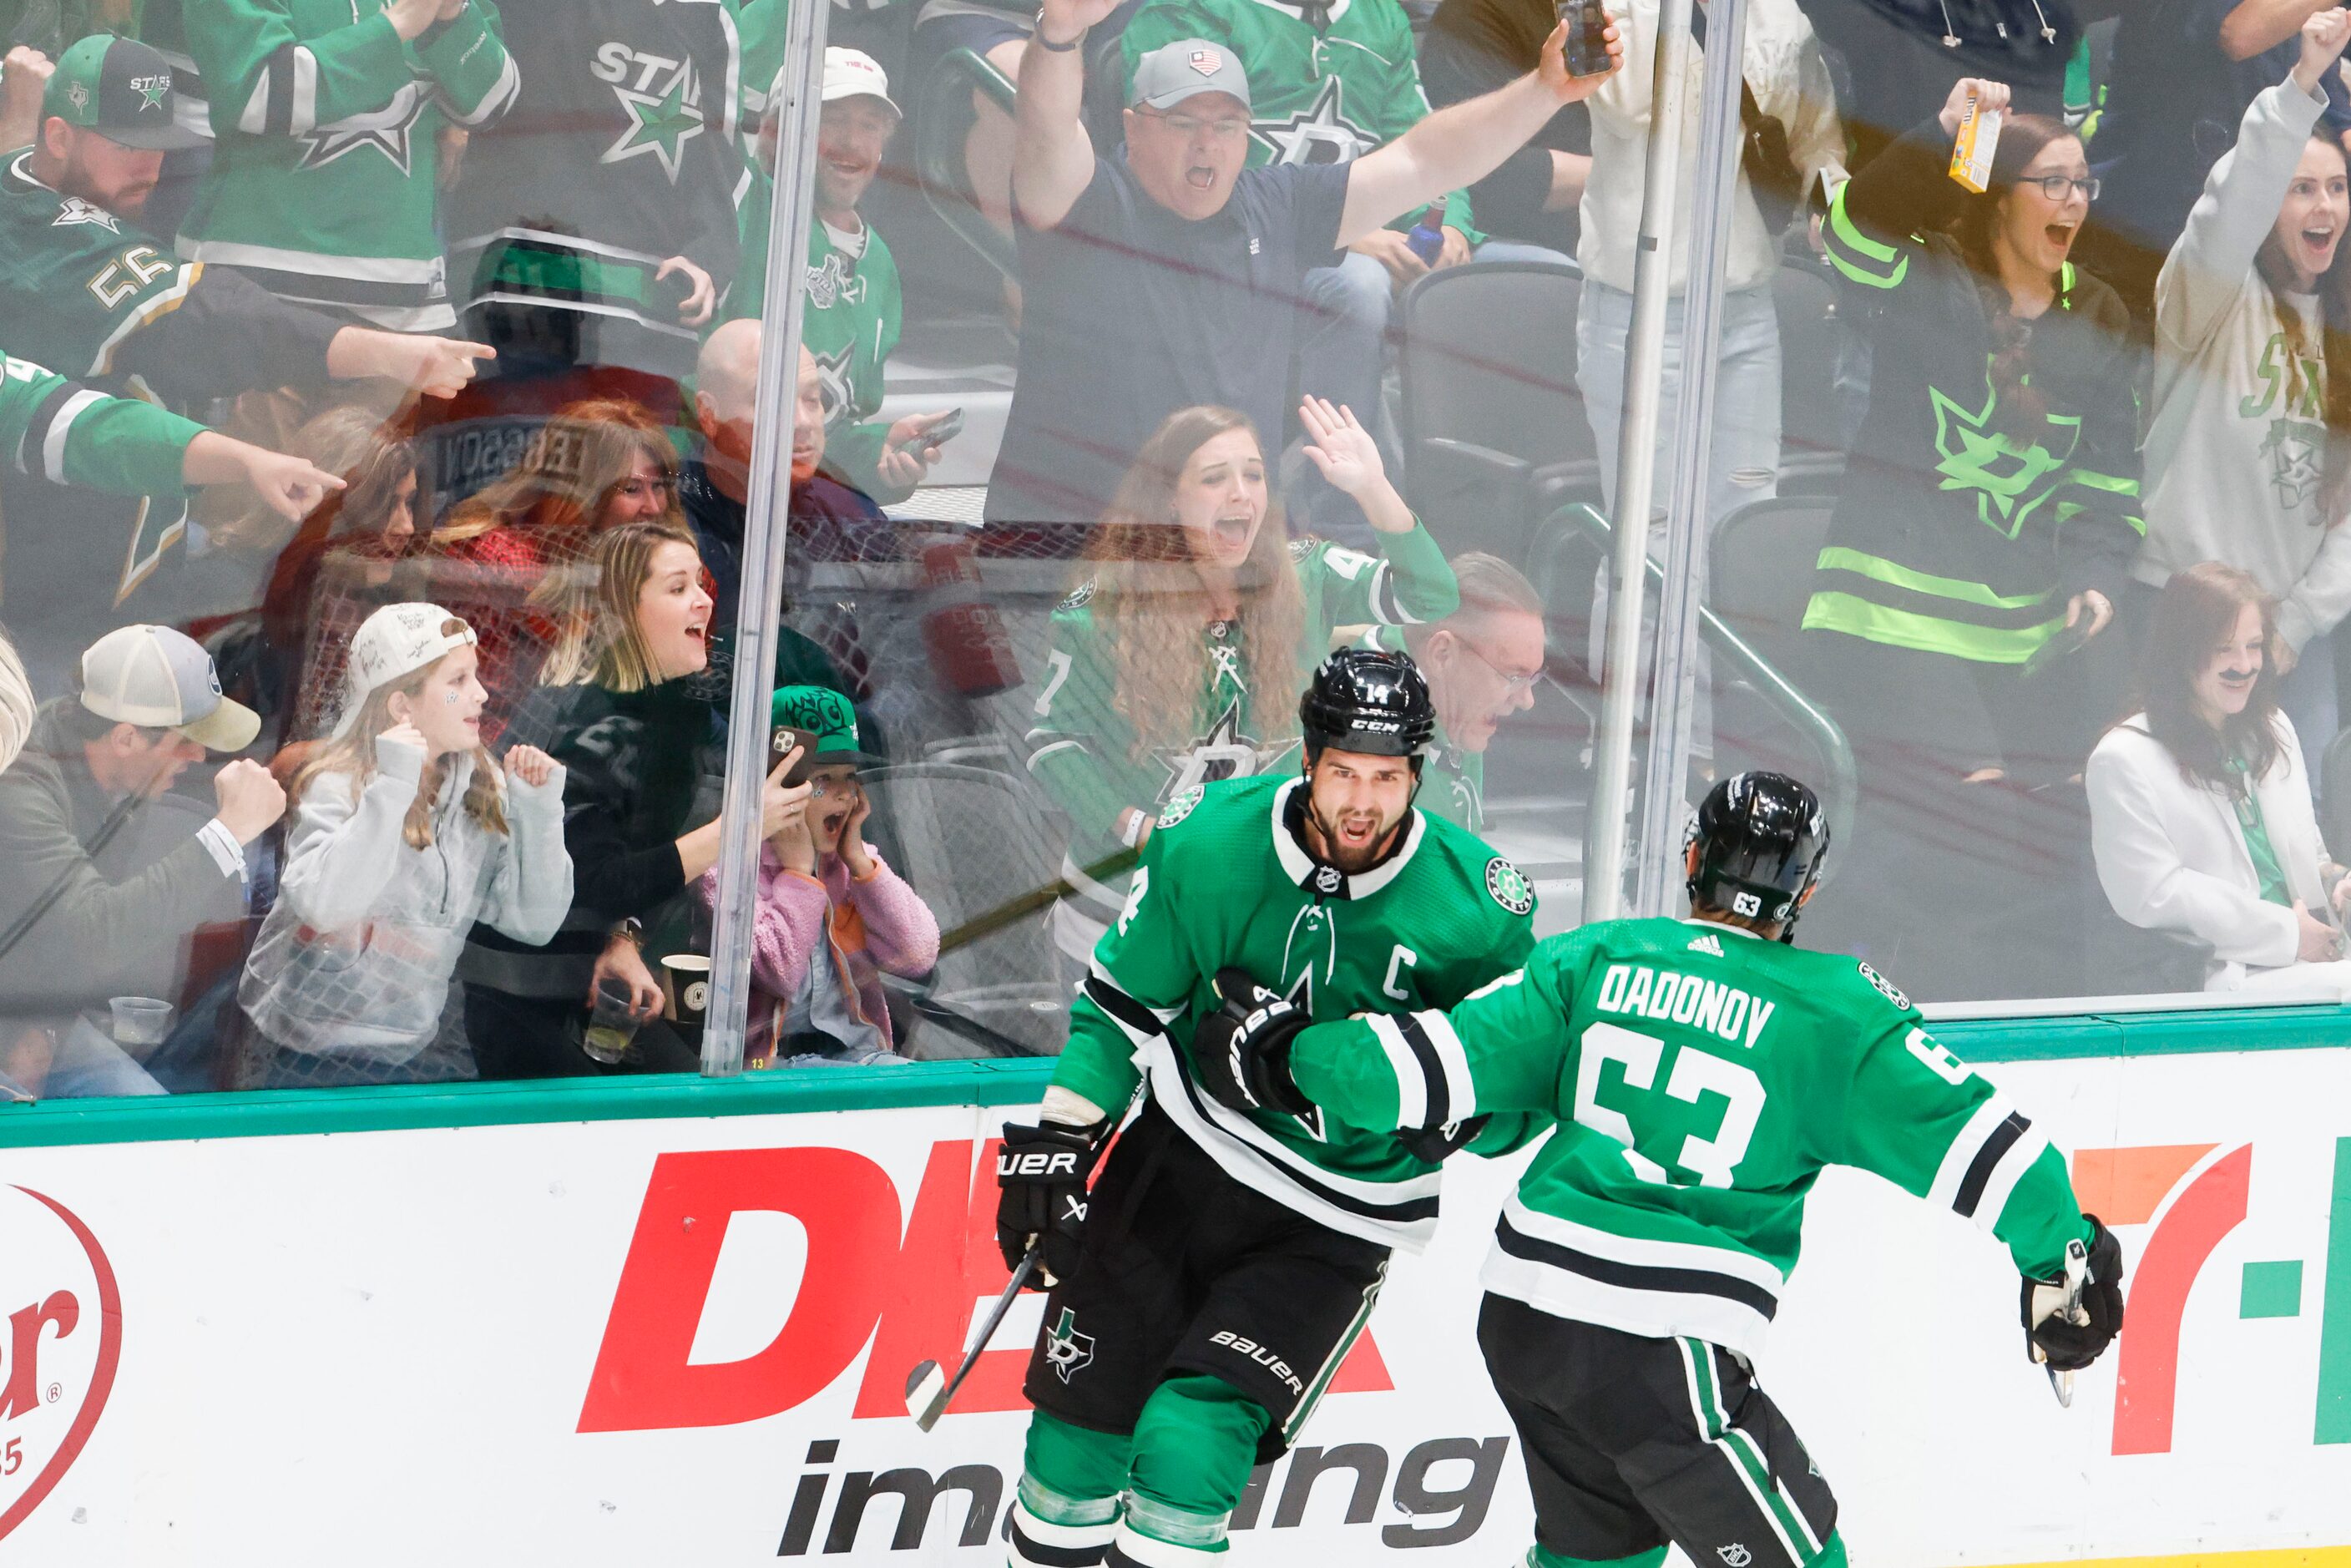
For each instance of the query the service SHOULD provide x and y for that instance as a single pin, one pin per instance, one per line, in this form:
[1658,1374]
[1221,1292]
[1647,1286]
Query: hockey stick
[927,1389]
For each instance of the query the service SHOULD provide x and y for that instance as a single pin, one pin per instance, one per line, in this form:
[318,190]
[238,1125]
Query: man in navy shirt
[1171,277]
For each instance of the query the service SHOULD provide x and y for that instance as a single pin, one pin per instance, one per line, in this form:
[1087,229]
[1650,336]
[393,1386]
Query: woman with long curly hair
[1177,658]
[594,465]
[1983,531]
[2247,455]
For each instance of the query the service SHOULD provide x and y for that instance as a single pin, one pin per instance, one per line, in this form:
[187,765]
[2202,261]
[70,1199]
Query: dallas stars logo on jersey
[2009,481]
[2293,450]
[1319,134]
[74,210]
[389,131]
[836,387]
[662,99]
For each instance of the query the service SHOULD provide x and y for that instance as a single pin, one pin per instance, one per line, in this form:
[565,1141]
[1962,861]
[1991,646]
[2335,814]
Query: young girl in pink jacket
[832,915]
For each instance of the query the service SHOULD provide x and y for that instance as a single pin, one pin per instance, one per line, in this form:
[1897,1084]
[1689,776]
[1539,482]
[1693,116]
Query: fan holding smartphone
[831,915]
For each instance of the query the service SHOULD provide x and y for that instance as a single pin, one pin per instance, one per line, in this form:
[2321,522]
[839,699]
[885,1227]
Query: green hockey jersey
[850,314]
[1083,749]
[1453,784]
[1224,881]
[1701,1078]
[163,26]
[325,181]
[1317,94]
[67,433]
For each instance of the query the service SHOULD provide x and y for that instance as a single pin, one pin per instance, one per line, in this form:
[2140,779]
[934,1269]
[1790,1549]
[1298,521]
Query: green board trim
[288,1112]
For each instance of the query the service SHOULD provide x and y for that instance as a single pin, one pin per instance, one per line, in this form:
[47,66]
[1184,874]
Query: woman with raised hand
[1177,657]
[2247,460]
[409,831]
[1984,528]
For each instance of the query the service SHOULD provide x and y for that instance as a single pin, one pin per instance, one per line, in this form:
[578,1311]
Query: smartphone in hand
[1587,37]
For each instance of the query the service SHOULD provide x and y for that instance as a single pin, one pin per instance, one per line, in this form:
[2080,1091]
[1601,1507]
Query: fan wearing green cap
[832,916]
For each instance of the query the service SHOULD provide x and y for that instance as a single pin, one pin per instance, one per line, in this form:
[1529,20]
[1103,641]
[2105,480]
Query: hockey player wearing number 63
[1701,1073]
[1208,1287]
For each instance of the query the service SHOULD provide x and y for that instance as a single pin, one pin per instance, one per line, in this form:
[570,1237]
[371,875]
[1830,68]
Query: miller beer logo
[63,1340]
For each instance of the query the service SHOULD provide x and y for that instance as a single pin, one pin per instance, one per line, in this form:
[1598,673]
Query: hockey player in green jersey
[1206,1288]
[1701,1072]
[67,433]
[851,303]
[1172,662]
[327,119]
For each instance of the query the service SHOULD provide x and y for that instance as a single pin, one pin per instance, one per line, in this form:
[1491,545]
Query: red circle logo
[59,1343]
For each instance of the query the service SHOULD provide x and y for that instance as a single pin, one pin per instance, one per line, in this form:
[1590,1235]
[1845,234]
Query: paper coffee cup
[686,981]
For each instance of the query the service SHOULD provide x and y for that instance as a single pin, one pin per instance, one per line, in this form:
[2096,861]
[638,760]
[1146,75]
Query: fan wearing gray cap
[108,873]
[1170,277]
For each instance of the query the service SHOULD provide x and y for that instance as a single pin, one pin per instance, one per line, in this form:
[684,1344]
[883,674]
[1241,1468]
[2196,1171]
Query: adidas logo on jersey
[1709,943]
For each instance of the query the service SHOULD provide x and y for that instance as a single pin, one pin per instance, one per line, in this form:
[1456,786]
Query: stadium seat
[1494,430]
[1761,571]
[1812,441]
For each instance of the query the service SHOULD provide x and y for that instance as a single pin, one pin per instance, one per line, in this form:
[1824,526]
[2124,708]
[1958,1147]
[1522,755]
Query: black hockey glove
[1434,1143]
[1242,1049]
[2070,1344]
[1041,1173]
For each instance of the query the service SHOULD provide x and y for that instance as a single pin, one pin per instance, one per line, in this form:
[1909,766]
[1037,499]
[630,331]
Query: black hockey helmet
[1367,700]
[1762,839]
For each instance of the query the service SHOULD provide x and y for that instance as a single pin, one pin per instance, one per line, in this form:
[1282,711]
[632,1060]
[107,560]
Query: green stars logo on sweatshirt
[387,129]
[2009,481]
[663,99]
[1319,134]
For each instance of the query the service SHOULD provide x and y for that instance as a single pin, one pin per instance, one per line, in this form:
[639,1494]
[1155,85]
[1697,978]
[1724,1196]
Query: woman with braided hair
[2247,459]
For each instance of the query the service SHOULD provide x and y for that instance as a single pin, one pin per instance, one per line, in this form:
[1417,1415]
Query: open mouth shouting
[2316,245]
[2060,237]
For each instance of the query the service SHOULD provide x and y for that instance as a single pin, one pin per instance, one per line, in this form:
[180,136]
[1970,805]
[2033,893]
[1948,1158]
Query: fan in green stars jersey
[1701,1074]
[1172,663]
[1208,1287]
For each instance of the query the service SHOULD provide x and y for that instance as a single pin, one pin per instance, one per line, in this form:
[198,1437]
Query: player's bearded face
[1355,804]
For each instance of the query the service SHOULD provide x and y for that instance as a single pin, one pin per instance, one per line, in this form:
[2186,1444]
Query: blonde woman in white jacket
[2201,815]
[2245,455]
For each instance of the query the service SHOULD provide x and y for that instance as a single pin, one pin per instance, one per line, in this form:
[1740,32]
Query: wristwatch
[1047,43]
[632,931]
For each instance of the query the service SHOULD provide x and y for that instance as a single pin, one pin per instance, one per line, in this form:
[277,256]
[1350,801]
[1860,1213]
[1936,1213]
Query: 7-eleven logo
[2190,1197]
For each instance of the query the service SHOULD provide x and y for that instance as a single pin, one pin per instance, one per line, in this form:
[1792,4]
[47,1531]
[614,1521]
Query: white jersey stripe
[1461,1094]
[1712,1260]
[306,93]
[1412,1088]
[2006,1174]
[1653,1315]
[1961,1154]
[53,443]
[1714,1425]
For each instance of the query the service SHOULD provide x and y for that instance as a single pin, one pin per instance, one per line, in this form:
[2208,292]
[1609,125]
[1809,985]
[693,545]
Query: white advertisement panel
[686,1341]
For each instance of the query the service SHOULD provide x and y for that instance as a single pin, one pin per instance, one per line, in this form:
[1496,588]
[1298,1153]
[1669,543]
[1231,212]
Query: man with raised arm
[1171,276]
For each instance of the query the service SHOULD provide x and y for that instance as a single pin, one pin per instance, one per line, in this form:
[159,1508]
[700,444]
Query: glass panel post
[1604,871]
[1658,880]
[766,529]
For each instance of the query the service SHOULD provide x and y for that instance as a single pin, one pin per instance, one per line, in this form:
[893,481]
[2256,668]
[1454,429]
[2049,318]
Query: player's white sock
[1076,1537]
[1201,1542]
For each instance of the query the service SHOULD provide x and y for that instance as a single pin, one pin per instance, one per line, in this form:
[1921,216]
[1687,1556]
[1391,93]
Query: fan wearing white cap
[408,832]
[853,303]
[105,882]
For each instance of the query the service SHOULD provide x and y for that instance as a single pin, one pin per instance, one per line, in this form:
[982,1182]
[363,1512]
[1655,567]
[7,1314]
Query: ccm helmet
[1761,839]
[1367,700]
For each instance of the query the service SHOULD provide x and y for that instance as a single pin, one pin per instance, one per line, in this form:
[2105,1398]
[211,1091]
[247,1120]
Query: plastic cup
[610,1024]
[687,978]
[140,1020]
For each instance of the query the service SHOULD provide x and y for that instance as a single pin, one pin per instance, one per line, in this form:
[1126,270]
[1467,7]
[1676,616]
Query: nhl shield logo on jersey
[1067,1350]
[1510,886]
[1181,806]
[1885,987]
[1734,1555]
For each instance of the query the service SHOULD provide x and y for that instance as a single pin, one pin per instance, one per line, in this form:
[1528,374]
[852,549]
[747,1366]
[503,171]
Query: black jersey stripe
[1403,1211]
[1121,1006]
[32,449]
[1635,1276]
[1031,1550]
[1439,1095]
[1971,1186]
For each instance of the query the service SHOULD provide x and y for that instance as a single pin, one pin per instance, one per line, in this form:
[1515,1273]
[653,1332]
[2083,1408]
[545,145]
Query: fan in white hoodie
[2237,446]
